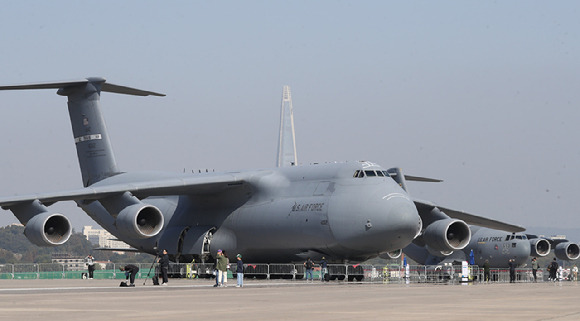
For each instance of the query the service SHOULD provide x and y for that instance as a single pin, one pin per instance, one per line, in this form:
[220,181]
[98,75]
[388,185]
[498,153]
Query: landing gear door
[197,241]
[171,239]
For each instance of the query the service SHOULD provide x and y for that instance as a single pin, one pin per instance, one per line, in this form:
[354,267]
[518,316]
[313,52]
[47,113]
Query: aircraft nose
[386,222]
[401,219]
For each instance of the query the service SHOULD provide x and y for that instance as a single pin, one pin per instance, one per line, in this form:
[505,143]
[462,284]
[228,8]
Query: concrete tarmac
[285,300]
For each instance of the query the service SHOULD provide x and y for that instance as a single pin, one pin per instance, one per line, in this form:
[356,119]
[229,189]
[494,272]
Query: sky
[483,95]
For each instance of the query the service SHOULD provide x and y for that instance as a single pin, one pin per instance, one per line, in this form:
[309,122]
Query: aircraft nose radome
[402,219]
[392,222]
[374,222]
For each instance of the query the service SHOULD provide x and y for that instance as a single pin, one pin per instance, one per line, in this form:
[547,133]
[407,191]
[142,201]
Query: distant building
[74,263]
[103,238]
[71,263]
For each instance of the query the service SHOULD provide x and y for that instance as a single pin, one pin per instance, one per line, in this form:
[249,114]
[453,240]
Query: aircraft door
[171,239]
[197,241]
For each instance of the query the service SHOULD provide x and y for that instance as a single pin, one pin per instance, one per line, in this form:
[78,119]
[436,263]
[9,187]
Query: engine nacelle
[567,251]
[48,229]
[391,255]
[447,235]
[140,221]
[539,247]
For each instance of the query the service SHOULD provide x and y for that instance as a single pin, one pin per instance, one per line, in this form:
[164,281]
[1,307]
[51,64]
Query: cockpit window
[359,174]
[519,237]
[370,173]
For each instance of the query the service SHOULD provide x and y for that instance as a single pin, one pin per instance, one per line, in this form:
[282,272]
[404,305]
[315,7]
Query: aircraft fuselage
[284,215]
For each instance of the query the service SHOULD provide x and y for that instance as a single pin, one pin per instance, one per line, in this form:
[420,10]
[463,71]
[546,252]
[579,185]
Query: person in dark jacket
[309,266]
[130,273]
[240,271]
[323,268]
[486,271]
[164,263]
[512,265]
[553,267]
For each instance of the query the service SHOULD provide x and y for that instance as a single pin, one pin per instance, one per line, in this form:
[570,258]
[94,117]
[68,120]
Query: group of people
[131,270]
[309,269]
[222,264]
[554,269]
[556,272]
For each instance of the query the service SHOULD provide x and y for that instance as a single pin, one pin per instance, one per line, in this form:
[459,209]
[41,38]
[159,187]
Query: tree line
[15,248]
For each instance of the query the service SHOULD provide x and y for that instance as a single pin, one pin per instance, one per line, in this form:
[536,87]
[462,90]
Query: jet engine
[539,247]
[567,251]
[391,255]
[447,235]
[140,221]
[48,229]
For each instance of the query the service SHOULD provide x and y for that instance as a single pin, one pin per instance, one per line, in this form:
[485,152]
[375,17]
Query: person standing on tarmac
[553,267]
[222,267]
[534,269]
[240,271]
[323,268]
[309,265]
[90,260]
[512,265]
[486,271]
[164,263]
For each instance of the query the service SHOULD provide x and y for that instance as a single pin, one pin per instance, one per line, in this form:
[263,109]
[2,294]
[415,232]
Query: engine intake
[539,247]
[567,251]
[48,229]
[447,235]
[140,221]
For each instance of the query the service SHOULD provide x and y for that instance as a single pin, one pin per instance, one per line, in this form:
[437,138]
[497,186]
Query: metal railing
[390,273]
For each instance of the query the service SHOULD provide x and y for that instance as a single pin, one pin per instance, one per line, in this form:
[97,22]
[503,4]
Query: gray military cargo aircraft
[488,242]
[435,218]
[497,247]
[492,244]
[347,211]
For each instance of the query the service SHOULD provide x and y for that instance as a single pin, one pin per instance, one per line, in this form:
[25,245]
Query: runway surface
[285,300]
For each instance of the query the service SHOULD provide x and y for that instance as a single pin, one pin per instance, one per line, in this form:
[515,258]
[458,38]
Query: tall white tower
[286,140]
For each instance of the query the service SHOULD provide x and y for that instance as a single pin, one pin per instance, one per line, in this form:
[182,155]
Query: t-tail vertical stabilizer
[94,149]
[286,140]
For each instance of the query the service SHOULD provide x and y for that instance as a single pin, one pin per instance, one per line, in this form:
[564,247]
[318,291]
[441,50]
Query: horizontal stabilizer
[472,219]
[111,88]
[106,87]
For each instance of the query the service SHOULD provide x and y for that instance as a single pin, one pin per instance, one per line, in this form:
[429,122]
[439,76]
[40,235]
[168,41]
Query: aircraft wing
[472,219]
[553,241]
[140,189]
[422,179]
